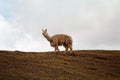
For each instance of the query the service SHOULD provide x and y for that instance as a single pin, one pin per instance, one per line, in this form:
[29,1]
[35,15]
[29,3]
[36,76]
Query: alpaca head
[45,34]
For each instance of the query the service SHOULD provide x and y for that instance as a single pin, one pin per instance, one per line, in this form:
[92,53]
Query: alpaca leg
[70,49]
[56,45]
[56,49]
[66,48]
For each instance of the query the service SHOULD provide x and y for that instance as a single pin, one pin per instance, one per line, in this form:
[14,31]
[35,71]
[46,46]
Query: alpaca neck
[48,37]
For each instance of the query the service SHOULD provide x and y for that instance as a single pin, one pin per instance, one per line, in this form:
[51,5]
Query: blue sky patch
[5,9]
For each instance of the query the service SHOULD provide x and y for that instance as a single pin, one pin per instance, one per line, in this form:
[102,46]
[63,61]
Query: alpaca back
[63,39]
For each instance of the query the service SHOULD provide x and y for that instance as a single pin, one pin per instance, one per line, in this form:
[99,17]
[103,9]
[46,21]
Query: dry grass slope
[80,65]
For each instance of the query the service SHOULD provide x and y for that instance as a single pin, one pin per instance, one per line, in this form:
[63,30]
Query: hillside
[80,65]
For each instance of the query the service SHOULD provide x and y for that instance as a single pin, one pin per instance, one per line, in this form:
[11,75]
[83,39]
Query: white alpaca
[59,40]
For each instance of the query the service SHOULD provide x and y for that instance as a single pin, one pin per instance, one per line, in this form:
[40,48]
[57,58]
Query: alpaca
[59,40]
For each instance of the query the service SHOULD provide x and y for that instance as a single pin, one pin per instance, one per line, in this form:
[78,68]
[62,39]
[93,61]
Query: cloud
[7,34]
[12,38]
[92,24]
[27,43]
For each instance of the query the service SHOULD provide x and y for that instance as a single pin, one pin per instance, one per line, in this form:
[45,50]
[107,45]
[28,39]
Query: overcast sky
[93,24]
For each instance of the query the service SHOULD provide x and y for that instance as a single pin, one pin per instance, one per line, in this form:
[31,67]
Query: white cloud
[12,38]
[7,33]
[27,43]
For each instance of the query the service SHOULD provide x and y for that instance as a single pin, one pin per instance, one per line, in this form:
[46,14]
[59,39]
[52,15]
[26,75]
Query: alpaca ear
[45,30]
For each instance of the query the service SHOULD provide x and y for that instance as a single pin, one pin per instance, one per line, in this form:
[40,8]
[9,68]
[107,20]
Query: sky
[93,24]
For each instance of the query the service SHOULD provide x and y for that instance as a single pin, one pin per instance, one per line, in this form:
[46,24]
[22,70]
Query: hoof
[56,52]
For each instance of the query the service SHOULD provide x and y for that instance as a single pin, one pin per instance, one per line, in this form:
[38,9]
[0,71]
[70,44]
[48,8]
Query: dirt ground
[79,65]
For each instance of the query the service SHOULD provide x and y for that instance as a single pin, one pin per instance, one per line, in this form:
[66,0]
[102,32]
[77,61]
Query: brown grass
[80,65]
